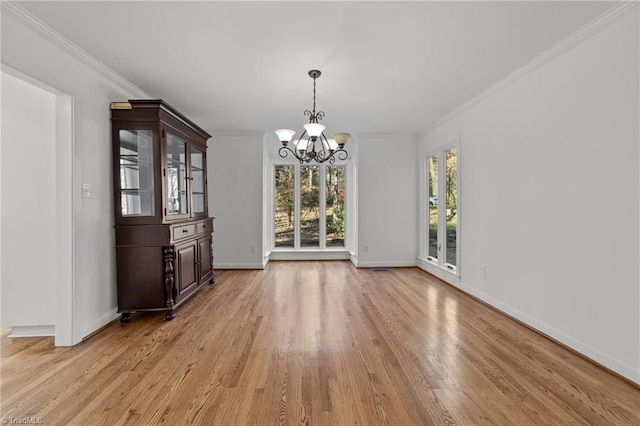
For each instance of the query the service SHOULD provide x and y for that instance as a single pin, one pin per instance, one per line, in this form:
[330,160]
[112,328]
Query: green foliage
[285,191]
[452,183]
[338,219]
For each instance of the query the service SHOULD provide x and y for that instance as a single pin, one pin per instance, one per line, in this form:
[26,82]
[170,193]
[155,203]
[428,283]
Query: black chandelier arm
[341,154]
[285,150]
[318,157]
[314,117]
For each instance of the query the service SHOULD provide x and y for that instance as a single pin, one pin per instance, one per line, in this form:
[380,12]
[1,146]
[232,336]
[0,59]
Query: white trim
[586,350]
[65,235]
[637,373]
[620,9]
[438,271]
[441,156]
[638,194]
[238,266]
[32,331]
[12,8]
[303,254]
[624,369]
[387,136]
[66,176]
[386,264]
[91,327]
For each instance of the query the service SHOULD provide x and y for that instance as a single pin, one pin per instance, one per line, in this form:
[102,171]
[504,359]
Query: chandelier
[313,145]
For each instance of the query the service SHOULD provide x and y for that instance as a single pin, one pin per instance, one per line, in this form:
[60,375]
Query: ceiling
[387,67]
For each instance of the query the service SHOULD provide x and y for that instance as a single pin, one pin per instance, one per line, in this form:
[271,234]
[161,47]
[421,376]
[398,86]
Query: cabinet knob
[184,231]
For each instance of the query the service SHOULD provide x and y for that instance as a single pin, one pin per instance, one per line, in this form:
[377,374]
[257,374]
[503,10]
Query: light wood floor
[316,343]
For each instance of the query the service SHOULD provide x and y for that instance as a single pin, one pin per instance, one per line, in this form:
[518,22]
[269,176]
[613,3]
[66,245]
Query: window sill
[338,253]
[441,271]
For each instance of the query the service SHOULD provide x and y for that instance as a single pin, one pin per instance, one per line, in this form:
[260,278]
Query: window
[309,206]
[441,208]
[432,207]
[284,203]
[451,208]
[335,205]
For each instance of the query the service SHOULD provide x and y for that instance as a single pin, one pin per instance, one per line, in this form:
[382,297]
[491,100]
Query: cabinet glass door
[136,173]
[176,176]
[197,181]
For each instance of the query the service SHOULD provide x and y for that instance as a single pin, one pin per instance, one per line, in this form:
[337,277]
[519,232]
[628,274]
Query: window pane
[284,206]
[136,173]
[197,180]
[452,206]
[309,206]
[433,207]
[335,206]
[176,175]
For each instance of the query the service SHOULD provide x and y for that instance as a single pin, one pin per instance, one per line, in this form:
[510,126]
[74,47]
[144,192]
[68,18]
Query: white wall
[29,202]
[33,50]
[387,202]
[235,171]
[549,191]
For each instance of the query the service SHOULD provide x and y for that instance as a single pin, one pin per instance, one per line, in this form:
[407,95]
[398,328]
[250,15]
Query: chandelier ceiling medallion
[313,145]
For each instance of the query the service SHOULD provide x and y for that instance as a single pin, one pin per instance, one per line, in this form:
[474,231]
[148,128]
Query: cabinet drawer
[204,227]
[182,232]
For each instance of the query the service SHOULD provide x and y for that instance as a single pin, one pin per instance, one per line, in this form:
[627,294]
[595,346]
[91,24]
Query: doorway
[36,209]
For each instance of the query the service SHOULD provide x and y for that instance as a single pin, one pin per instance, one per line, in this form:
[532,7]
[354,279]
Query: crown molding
[388,136]
[13,9]
[240,133]
[622,8]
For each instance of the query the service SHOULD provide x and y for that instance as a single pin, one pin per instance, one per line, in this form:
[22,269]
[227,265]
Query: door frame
[66,178]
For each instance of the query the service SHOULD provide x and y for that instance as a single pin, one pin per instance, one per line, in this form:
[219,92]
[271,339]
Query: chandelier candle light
[305,149]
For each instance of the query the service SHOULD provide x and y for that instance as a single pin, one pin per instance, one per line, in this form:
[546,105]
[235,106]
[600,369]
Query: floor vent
[380,270]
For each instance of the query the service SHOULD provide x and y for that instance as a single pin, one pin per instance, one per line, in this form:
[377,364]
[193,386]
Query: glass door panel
[284,206]
[432,207]
[309,206]
[136,173]
[335,206]
[452,207]
[197,181]
[176,176]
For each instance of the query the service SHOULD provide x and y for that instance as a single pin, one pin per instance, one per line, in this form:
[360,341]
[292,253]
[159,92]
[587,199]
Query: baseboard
[86,330]
[386,264]
[309,255]
[625,371]
[238,266]
[443,274]
[33,331]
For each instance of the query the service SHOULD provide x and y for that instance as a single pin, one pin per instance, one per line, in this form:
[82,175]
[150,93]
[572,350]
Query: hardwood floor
[319,343]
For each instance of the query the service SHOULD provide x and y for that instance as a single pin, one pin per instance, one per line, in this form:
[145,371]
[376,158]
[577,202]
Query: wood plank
[316,343]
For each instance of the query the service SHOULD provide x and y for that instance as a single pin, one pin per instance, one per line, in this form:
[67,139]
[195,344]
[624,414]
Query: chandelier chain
[314,95]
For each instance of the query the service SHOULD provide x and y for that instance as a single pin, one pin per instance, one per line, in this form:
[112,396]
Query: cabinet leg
[213,279]
[125,317]
[170,315]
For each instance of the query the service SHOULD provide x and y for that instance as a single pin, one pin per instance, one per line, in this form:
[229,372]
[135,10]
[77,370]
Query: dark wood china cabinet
[163,230]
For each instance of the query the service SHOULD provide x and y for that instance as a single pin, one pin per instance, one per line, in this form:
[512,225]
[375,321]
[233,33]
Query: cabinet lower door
[186,270]
[206,268]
